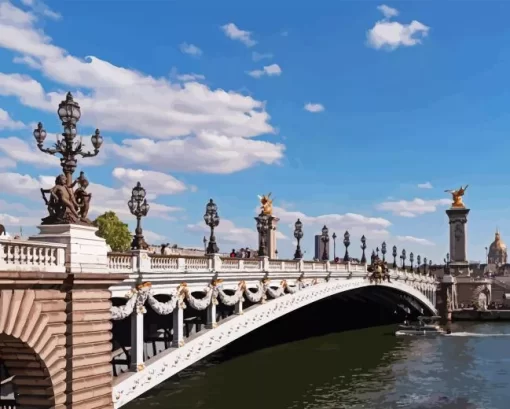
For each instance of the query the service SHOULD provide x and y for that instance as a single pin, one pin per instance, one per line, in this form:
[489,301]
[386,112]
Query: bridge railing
[24,255]
[139,260]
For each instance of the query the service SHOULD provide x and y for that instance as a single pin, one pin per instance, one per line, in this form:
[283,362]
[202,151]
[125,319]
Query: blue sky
[402,94]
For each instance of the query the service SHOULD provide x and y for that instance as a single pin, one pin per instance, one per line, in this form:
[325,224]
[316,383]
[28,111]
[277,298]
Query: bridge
[84,328]
[115,334]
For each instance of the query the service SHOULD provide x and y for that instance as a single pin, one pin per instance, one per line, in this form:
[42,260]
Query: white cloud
[154,182]
[255,56]
[42,8]
[153,238]
[388,12]
[6,122]
[357,224]
[207,152]
[269,70]
[228,234]
[190,49]
[235,33]
[415,240]
[122,100]
[426,185]
[390,35]
[314,107]
[412,208]
[190,77]
[6,163]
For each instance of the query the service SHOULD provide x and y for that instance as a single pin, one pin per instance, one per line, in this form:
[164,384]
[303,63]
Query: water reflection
[356,369]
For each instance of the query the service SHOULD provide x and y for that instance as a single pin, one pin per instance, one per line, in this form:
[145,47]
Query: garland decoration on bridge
[256,296]
[275,292]
[231,300]
[136,299]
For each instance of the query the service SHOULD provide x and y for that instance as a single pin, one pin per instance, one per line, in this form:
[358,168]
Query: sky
[354,114]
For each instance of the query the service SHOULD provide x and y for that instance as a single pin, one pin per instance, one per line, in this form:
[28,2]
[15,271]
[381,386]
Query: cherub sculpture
[82,196]
[61,203]
[266,204]
[457,197]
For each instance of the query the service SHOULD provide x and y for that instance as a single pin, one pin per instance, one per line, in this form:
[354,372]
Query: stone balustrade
[21,255]
[131,263]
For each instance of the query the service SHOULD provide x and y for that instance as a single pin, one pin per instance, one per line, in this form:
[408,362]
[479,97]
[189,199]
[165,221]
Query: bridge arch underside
[313,313]
[26,381]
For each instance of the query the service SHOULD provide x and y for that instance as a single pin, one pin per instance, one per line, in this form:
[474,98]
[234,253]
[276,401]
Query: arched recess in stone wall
[32,347]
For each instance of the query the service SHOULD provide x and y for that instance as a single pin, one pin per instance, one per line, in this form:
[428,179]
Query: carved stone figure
[82,197]
[266,204]
[61,203]
[2,230]
[457,197]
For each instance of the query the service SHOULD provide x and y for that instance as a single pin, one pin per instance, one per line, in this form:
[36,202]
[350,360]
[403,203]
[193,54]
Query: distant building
[319,247]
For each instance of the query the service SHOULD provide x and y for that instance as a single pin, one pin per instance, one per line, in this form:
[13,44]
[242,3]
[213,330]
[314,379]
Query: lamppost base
[139,243]
[212,248]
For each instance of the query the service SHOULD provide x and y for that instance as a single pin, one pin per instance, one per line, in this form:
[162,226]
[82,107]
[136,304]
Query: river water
[368,368]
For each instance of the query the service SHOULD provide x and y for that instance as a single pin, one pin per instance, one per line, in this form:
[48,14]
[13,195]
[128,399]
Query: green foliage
[116,233]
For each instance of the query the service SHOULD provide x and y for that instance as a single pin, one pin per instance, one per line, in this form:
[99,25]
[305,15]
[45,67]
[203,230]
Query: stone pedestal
[85,252]
[458,240]
[445,298]
[271,237]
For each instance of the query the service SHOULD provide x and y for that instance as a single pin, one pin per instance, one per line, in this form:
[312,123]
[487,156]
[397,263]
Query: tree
[114,231]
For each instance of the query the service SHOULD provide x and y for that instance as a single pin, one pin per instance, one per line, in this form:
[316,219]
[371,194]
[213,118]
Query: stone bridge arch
[204,343]
[32,346]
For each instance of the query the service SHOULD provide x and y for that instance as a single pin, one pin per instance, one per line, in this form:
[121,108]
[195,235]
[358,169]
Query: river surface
[369,368]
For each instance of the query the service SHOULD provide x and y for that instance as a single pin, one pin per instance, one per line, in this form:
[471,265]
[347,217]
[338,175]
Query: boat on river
[424,326]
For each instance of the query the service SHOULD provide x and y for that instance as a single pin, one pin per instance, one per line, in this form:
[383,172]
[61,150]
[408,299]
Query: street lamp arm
[50,151]
[89,154]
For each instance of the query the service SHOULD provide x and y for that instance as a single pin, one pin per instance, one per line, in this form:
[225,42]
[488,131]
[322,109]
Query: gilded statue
[457,197]
[61,203]
[266,204]
[82,196]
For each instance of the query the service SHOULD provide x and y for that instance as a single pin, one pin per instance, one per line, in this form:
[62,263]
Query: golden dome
[497,244]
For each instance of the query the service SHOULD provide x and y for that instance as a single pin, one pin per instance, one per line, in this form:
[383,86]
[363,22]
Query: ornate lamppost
[298,235]
[447,264]
[263,228]
[69,113]
[66,206]
[347,243]
[363,248]
[334,245]
[383,251]
[372,257]
[425,265]
[205,244]
[411,260]
[377,251]
[403,258]
[325,241]
[418,261]
[139,208]
[394,254]
[430,267]
[212,220]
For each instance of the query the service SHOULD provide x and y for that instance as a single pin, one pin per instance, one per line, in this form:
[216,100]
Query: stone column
[271,237]
[137,340]
[178,326]
[89,346]
[458,240]
[445,298]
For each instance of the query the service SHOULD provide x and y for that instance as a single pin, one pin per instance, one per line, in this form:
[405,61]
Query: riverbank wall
[473,315]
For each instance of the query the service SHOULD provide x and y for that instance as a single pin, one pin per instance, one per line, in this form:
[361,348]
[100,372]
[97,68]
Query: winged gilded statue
[266,204]
[457,197]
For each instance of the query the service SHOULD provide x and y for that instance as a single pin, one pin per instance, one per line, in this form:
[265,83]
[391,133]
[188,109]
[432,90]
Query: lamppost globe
[39,134]
[97,140]
[69,110]
[138,193]
[145,207]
